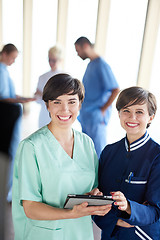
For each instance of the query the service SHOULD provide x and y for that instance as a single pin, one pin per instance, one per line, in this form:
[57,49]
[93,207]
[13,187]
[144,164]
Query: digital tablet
[93,200]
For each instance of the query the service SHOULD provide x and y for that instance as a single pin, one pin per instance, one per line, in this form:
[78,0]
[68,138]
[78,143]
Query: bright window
[43,36]
[123,49]
[12,24]
[155,89]
[125,35]
[82,18]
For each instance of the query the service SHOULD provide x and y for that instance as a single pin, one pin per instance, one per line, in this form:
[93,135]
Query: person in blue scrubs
[129,170]
[101,88]
[7,93]
[53,162]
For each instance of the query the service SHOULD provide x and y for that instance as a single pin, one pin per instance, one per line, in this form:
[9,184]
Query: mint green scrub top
[44,172]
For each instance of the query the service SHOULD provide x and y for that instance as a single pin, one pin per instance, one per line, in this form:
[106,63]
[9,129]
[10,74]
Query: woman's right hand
[83,209]
[42,211]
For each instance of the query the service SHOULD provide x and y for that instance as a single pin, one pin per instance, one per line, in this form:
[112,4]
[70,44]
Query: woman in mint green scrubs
[51,163]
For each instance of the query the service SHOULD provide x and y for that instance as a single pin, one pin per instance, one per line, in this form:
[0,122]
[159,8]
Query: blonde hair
[56,51]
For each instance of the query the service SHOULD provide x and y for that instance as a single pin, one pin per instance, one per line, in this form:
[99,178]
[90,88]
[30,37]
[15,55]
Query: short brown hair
[137,95]
[83,40]
[61,84]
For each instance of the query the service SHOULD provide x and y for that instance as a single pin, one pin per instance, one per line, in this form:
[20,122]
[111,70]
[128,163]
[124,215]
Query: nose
[64,107]
[132,115]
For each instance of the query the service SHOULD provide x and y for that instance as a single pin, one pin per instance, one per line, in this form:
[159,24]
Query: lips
[64,118]
[132,124]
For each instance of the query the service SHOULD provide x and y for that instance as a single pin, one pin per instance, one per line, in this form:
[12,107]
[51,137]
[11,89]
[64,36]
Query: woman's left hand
[121,201]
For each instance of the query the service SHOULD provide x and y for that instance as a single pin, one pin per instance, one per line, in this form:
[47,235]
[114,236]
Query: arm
[110,100]
[42,211]
[18,99]
[39,90]
[135,213]
[38,93]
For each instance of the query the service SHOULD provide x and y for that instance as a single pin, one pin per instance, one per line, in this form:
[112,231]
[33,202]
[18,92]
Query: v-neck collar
[54,140]
[138,143]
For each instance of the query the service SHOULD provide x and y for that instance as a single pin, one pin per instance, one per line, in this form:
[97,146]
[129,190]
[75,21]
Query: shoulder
[36,137]
[112,149]
[114,145]
[83,138]
[3,68]
[101,66]
[153,148]
[154,144]
[44,75]
[100,61]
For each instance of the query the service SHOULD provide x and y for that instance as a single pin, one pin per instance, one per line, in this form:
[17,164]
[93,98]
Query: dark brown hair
[61,84]
[137,95]
[83,40]
[8,48]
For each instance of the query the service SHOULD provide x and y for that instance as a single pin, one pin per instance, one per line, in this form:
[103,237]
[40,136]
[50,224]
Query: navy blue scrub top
[134,170]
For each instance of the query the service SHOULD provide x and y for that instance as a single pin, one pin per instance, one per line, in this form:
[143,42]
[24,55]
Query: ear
[85,46]
[80,104]
[151,118]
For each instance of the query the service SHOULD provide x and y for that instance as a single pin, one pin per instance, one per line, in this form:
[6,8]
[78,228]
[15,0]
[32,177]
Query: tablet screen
[93,200]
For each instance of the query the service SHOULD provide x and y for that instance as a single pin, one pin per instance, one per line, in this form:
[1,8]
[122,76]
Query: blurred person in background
[54,58]
[101,88]
[7,94]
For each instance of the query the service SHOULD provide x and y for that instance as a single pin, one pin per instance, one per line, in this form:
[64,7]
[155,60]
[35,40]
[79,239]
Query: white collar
[138,143]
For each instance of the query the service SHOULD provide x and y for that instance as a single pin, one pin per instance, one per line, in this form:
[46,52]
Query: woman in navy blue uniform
[129,170]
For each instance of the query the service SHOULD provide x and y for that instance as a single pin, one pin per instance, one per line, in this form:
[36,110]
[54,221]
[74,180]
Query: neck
[2,61]
[133,138]
[93,56]
[54,68]
[62,135]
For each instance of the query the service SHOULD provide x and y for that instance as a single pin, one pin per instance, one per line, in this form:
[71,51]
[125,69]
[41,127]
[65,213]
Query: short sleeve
[108,79]
[29,181]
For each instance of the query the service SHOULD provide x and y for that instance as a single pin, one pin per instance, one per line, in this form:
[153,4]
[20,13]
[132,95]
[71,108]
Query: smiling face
[64,110]
[134,120]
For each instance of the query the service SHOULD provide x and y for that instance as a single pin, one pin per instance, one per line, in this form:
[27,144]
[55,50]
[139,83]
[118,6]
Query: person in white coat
[54,57]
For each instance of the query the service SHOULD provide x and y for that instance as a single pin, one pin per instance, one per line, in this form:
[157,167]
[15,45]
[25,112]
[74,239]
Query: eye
[126,110]
[56,102]
[71,102]
[139,112]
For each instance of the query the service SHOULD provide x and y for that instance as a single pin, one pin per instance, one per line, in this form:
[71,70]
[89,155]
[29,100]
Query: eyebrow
[135,109]
[68,99]
[73,99]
